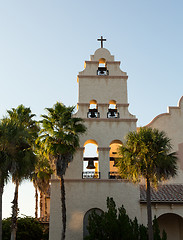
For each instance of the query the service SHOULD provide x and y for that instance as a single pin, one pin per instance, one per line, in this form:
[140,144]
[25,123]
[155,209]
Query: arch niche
[93,110]
[113,158]
[112,110]
[90,159]
[85,219]
[172,224]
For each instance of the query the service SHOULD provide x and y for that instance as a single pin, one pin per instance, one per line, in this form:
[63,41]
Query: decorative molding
[104,104]
[166,114]
[101,76]
[122,104]
[107,62]
[103,148]
[158,116]
[110,119]
[83,104]
[93,180]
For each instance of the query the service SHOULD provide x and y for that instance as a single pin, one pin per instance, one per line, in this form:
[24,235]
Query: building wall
[172,124]
[85,194]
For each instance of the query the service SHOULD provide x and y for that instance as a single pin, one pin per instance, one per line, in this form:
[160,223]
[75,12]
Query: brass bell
[90,164]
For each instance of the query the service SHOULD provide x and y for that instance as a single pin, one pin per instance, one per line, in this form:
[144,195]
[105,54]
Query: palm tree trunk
[36,203]
[41,204]
[1,194]
[45,206]
[14,213]
[63,208]
[149,211]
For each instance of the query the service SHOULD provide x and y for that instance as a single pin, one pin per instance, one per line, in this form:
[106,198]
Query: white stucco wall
[85,194]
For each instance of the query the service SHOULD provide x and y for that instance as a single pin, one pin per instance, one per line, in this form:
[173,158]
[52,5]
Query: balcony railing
[44,219]
[91,175]
[114,175]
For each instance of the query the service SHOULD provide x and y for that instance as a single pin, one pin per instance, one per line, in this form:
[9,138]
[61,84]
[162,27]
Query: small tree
[116,225]
[28,228]
[147,154]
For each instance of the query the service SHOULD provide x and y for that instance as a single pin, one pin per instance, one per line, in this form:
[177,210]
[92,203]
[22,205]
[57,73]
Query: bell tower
[103,104]
[90,179]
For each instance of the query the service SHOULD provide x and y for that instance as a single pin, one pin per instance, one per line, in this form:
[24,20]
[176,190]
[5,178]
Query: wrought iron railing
[44,219]
[114,175]
[91,175]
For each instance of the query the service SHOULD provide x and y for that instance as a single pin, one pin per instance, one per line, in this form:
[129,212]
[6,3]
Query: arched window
[90,160]
[85,219]
[113,158]
[112,110]
[93,110]
[102,67]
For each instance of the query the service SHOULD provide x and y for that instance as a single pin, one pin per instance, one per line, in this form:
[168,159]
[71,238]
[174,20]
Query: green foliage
[24,159]
[116,225]
[6,233]
[25,129]
[58,141]
[156,231]
[59,136]
[147,154]
[27,228]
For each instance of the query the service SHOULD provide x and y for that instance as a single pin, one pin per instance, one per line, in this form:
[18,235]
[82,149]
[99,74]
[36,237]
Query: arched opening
[112,110]
[102,67]
[93,110]
[90,160]
[85,219]
[172,224]
[113,159]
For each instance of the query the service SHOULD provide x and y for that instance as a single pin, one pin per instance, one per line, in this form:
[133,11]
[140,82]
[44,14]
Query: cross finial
[101,40]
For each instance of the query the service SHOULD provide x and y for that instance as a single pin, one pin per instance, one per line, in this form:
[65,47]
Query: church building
[92,175]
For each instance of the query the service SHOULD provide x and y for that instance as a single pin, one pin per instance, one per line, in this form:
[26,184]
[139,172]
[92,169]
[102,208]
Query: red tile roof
[171,193]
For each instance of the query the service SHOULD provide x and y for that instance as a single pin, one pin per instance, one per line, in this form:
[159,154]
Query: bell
[112,113]
[93,113]
[90,164]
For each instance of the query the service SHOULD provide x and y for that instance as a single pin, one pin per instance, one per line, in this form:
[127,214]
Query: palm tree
[147,154]
[41,178]
[60,138]
[34,180]
[22,168]
[24,159]
[8,133]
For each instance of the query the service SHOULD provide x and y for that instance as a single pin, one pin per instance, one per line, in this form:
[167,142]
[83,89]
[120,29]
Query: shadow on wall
[172,224]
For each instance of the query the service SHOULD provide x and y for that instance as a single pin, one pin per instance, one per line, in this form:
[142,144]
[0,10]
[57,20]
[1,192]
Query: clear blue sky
[43,46]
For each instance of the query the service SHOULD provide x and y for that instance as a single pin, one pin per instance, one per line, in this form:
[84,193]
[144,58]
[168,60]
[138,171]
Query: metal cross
[101,40]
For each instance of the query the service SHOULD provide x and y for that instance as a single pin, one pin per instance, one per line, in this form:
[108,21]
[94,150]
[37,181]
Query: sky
[44,43]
